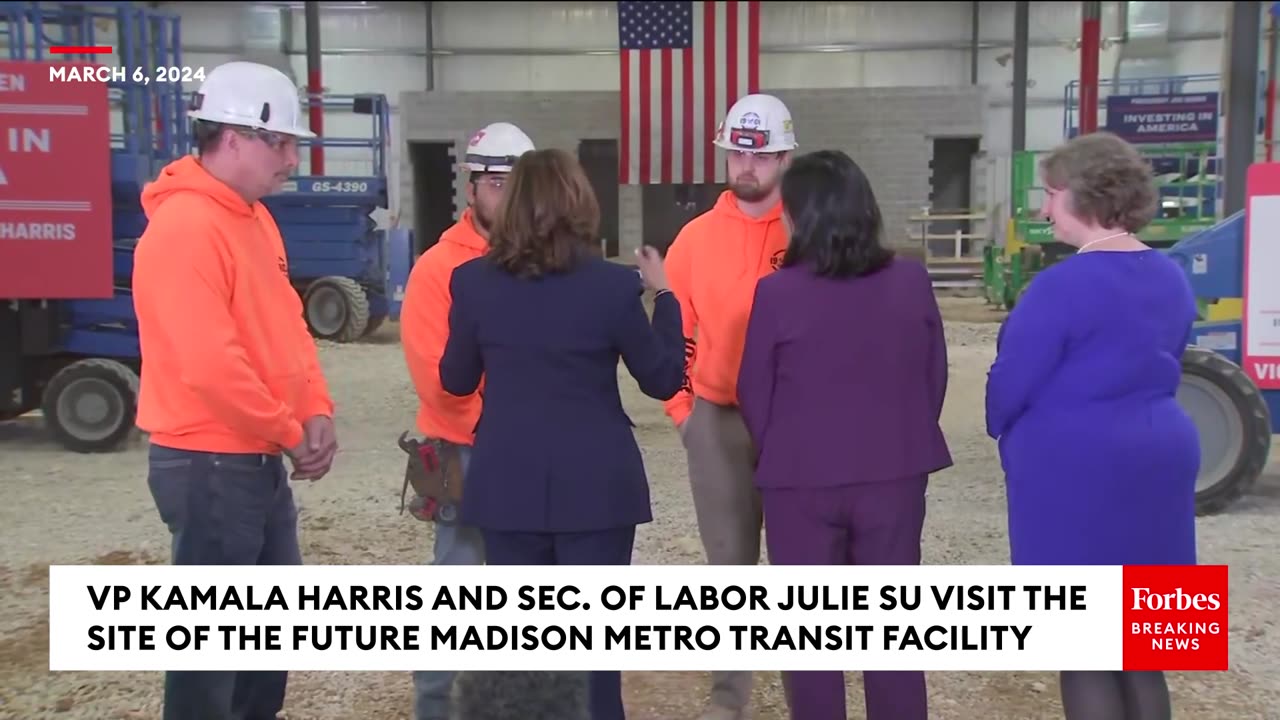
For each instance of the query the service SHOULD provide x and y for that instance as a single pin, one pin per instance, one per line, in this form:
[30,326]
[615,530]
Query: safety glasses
[275,141]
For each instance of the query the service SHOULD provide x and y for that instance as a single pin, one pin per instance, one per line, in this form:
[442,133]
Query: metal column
[1021,24]
[1090,42]
[431,46]
[976,9]
[1242,102]
[1269,126]
[314,86]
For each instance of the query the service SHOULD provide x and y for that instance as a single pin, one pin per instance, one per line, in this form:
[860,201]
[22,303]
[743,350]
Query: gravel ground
[62,508]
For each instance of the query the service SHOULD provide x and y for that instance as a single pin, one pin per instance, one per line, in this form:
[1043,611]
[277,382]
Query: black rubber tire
[115,382]
[352,301]
[1250,407]
[374,324]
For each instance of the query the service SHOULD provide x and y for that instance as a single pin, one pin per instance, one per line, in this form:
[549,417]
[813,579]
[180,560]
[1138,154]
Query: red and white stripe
[673,100]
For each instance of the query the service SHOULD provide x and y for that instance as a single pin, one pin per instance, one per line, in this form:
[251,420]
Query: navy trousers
[876,523]
[224,510]
[605,547]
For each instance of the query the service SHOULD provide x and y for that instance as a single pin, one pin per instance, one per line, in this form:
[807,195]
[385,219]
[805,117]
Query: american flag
[683,64]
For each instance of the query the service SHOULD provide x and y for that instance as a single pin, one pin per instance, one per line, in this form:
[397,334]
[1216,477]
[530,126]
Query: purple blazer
[842,381]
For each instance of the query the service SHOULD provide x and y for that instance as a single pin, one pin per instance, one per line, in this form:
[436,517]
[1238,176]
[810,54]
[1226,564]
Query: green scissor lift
[1188,197]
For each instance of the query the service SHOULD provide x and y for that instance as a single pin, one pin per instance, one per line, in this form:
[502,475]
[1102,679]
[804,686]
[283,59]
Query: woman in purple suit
[841,387]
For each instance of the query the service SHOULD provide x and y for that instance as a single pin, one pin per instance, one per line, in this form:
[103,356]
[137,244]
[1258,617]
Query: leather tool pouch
[434,471]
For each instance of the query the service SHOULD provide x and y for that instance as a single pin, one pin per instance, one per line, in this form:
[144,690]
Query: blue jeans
[224,509]
[455,545]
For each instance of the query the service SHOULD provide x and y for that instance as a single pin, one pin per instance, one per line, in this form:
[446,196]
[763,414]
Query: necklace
[1095,241]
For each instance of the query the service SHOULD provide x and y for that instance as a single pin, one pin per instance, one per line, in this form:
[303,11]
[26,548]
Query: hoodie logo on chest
[775,261]
[284,266]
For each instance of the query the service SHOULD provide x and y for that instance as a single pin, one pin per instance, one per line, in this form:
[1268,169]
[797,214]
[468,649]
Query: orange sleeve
[424,323]
[319,401]
[679,273]
[181,281]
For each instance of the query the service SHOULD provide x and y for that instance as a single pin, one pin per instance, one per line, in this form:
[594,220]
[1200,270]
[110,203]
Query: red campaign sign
[55,185]
[1260,306]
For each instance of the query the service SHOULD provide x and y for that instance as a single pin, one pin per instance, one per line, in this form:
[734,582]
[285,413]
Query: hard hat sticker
[749,139]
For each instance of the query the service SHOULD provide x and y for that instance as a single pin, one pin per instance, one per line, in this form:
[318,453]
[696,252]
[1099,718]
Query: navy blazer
[843,381]
[554,449]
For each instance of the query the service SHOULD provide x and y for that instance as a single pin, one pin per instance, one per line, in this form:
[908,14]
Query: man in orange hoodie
[231,381]
[424,328]
[713,265]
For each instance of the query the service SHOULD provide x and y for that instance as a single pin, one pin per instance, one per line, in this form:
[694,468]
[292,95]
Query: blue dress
[1100,460]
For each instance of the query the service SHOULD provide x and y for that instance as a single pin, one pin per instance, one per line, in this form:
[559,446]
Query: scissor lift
[346,270]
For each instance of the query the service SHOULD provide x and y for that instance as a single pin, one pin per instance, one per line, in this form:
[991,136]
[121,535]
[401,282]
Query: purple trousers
[862,524]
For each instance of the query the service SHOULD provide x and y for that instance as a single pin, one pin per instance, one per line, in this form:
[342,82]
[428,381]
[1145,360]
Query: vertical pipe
[127,56]
[1090,41]
[431,46]
[1021,25]
[314,86]
[1268,129]
[975,6]
[1242,102]
[180,114]
[146,93]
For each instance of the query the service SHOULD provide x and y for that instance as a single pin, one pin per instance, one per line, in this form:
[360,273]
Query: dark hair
[835,220]
[207,135]
[1111,183]
[548,218]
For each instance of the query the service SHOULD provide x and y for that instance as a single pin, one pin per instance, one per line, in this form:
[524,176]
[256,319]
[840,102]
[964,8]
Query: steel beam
[314,85]
[1021,27]
[1090,41]
[1242,102]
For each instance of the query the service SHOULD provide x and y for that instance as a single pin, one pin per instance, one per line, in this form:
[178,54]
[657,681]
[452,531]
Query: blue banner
[1164,118]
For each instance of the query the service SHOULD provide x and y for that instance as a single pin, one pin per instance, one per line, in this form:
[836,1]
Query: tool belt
[434,471]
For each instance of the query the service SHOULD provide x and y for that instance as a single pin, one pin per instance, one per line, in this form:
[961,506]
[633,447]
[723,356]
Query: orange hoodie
[228,363]
[424,328]
[713,265]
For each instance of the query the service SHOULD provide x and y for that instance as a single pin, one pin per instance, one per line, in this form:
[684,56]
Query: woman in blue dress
[1099,458]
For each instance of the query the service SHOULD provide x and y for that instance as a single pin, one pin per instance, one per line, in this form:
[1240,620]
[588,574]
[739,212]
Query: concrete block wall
[888,131]
[551,119]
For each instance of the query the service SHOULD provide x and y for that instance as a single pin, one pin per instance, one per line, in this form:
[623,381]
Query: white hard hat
[249,94]
[757,123]
[495,148]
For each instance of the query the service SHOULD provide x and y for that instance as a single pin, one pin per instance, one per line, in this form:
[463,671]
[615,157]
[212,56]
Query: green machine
[1188,186]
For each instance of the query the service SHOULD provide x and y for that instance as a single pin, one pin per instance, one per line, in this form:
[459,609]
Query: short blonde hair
[1111,183]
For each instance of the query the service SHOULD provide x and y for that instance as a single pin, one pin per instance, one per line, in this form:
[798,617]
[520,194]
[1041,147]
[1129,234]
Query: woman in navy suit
[556,475]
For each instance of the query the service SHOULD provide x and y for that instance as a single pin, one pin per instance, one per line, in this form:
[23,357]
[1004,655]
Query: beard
[749,190]
[482,219]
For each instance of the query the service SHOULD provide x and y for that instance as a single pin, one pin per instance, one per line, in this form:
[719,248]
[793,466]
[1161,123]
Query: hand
[313,457]
[652,271]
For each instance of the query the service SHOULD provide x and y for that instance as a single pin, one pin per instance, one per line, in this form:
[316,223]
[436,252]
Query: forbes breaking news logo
[1175,618]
